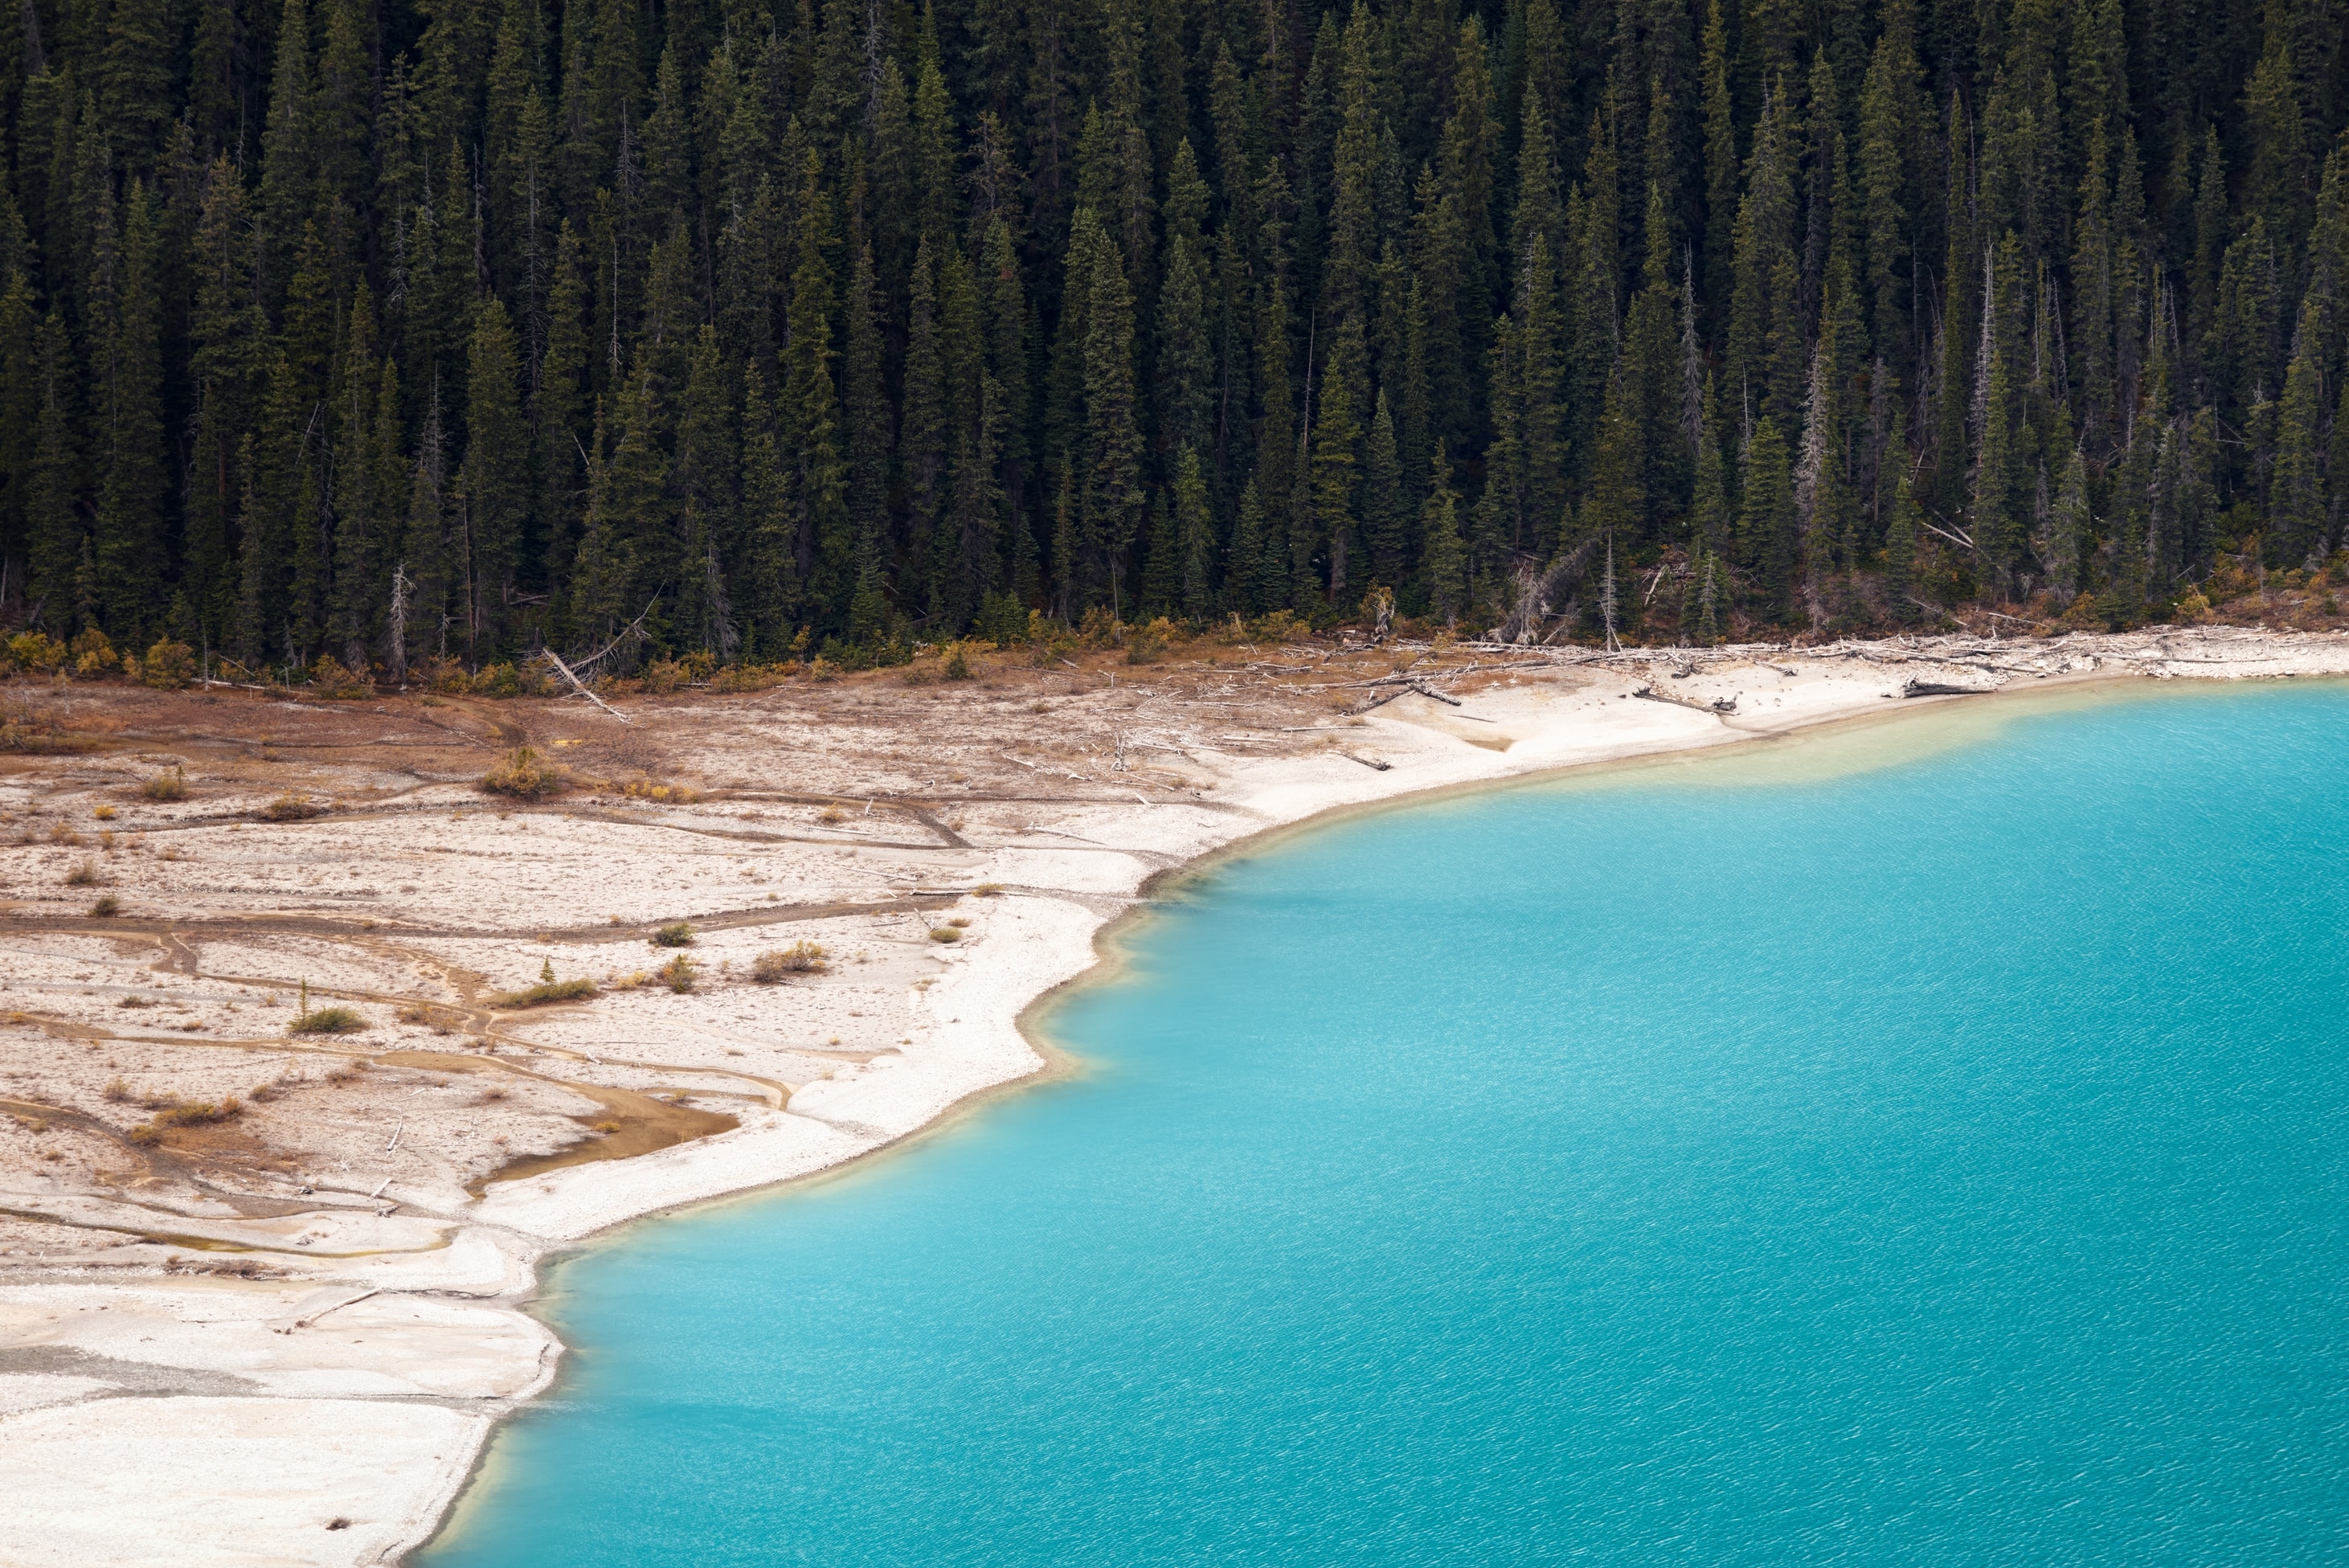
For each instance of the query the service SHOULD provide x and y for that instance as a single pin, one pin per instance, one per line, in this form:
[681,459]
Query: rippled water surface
[1921,1146]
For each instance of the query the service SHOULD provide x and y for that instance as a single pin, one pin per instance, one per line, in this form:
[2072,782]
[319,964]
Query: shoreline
[983,1026]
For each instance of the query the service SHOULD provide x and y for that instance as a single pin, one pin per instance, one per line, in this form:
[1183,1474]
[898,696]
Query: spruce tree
[496,469]
[1442,548]
[1114,494]
[128,425]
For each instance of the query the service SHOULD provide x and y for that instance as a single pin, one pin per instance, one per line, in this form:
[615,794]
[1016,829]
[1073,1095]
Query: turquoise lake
[1920,1144]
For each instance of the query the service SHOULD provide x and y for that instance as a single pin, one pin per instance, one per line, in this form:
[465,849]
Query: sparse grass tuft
[329,1021]
[799,958]
[679,974]
[83,875]
[134,1001]
[987,890]
[676,934]
[107,907]
[172,785]
[524,775]
[116,1090]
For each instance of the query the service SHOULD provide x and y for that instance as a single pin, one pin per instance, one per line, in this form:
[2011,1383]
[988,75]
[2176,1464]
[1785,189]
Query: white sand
[187,1421]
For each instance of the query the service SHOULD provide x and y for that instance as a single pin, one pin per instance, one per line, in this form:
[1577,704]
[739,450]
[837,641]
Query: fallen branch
[576,685]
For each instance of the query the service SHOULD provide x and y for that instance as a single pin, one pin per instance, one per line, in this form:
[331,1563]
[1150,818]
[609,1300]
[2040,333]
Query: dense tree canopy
[408,328]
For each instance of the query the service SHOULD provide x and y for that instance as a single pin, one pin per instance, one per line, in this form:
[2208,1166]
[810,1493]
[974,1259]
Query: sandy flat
[215,1342]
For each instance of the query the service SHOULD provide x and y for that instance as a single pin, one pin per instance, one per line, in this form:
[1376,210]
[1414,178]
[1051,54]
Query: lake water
[1922,1145]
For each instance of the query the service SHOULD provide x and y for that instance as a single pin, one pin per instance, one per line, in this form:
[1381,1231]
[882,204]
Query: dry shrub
[169,665]
[332,679]
[665,793]
[83,875]
[200,1113]
[497,680]
[116,1090]
[525,775]
[1147,645]
[946,934]
[24,730]
[34,651]
[753,677]
[676,934]
[107,907]
[166,786]
[329,1021]
[799,958]
[540,994]
[679,974]
[292,806]
[987,890]
[93,655]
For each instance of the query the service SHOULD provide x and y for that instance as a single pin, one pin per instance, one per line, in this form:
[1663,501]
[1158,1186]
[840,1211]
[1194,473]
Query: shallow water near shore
[1932,1157]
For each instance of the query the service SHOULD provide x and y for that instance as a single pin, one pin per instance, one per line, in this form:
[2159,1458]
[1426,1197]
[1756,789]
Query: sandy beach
[282,1335]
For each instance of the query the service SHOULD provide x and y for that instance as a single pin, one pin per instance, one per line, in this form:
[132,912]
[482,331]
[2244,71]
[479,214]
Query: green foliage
[420,337]
[676,934]
[327,1021]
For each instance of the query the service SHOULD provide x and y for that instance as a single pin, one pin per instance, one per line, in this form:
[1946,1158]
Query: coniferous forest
[398,330]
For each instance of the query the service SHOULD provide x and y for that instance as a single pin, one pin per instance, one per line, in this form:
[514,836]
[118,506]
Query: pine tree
[922,436]
[1386,507]
[53,529]
[1113,492]
[1768,527]
[1185,364]
[1900,537]
[496,470]
[823,544]
[1195,532]
[1336,463]
[2296,508]
[285,155]
[2070,530]
[128,423]
[1442,548]
[1998,527]
[136,76]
